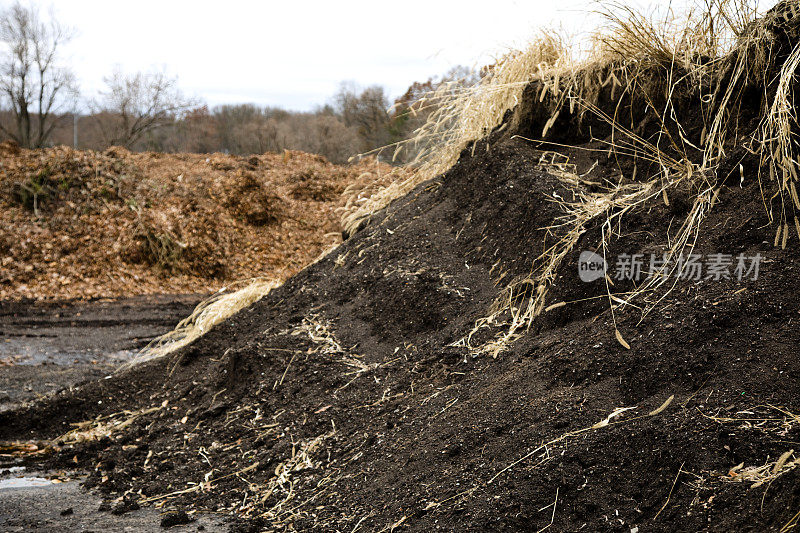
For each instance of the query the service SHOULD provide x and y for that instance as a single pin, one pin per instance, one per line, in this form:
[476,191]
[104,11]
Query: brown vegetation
[79,224]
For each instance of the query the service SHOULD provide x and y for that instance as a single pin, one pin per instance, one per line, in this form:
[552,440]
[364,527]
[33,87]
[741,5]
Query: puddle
[24,482]
[21,482]
[28,352]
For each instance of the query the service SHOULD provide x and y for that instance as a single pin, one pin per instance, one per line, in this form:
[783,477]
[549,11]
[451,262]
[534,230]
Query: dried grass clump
[463,115]
[766,473]
[774,422]
[205,316]
[273,500]
[359,193]
[104,426]
[612,205]
[709,55]
[320,334]
[159,248]
[698,35]
[778,141]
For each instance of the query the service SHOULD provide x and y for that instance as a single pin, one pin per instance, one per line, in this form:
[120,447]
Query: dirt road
[43,506]
[46,346]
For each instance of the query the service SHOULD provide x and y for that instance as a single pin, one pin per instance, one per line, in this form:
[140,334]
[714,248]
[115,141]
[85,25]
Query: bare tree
[136,104]
[367,112]
[34,87]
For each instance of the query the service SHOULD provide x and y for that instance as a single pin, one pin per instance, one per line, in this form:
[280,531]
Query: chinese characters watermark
[692,267]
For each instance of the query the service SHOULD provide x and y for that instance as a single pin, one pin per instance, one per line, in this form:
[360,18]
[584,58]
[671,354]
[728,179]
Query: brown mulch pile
[82,224]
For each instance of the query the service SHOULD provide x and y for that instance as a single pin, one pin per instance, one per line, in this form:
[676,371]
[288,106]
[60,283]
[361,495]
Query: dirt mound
[352,398]
[343,386]
[80,224]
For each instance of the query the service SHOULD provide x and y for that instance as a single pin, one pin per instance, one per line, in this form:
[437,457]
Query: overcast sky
[294,54]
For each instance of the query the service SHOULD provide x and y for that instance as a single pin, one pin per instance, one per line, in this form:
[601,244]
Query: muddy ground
[46,346]
[38,504]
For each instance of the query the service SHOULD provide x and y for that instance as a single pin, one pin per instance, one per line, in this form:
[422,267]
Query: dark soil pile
[83,224]
[343,401]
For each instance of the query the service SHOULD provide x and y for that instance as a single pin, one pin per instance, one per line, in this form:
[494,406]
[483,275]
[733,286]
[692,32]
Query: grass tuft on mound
[205,316]
[662,94]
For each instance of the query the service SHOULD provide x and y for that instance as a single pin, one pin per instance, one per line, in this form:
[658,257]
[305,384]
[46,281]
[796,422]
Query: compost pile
[83,224]
[378,390]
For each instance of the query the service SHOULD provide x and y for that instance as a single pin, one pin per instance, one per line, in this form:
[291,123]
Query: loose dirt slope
[81,224]
[348,400]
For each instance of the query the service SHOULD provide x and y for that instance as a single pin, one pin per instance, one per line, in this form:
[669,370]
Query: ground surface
[343,398]
[46,346]
[356,397]
[62,507]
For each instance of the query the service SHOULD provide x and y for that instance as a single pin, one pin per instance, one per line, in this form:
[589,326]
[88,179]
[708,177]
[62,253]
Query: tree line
[41,105]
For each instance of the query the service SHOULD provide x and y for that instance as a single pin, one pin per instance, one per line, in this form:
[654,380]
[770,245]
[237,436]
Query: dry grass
[693,47]
[104,426]
[791,524]
[273,499]
[773,423]
[320,334]
[655,57]
[462,115]
[770,420]
[779,140]
[205,316]
[766,473]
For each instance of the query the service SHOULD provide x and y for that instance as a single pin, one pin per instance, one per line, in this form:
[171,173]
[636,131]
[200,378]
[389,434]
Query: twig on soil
[205,485]
[279,383]
[391,527]
[791,524]
[778,425]
[446,407]
[553,517]
[358,524]
[669,496]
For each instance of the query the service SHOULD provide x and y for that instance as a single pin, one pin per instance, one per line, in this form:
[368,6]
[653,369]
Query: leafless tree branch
[34,87]
[135,104]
